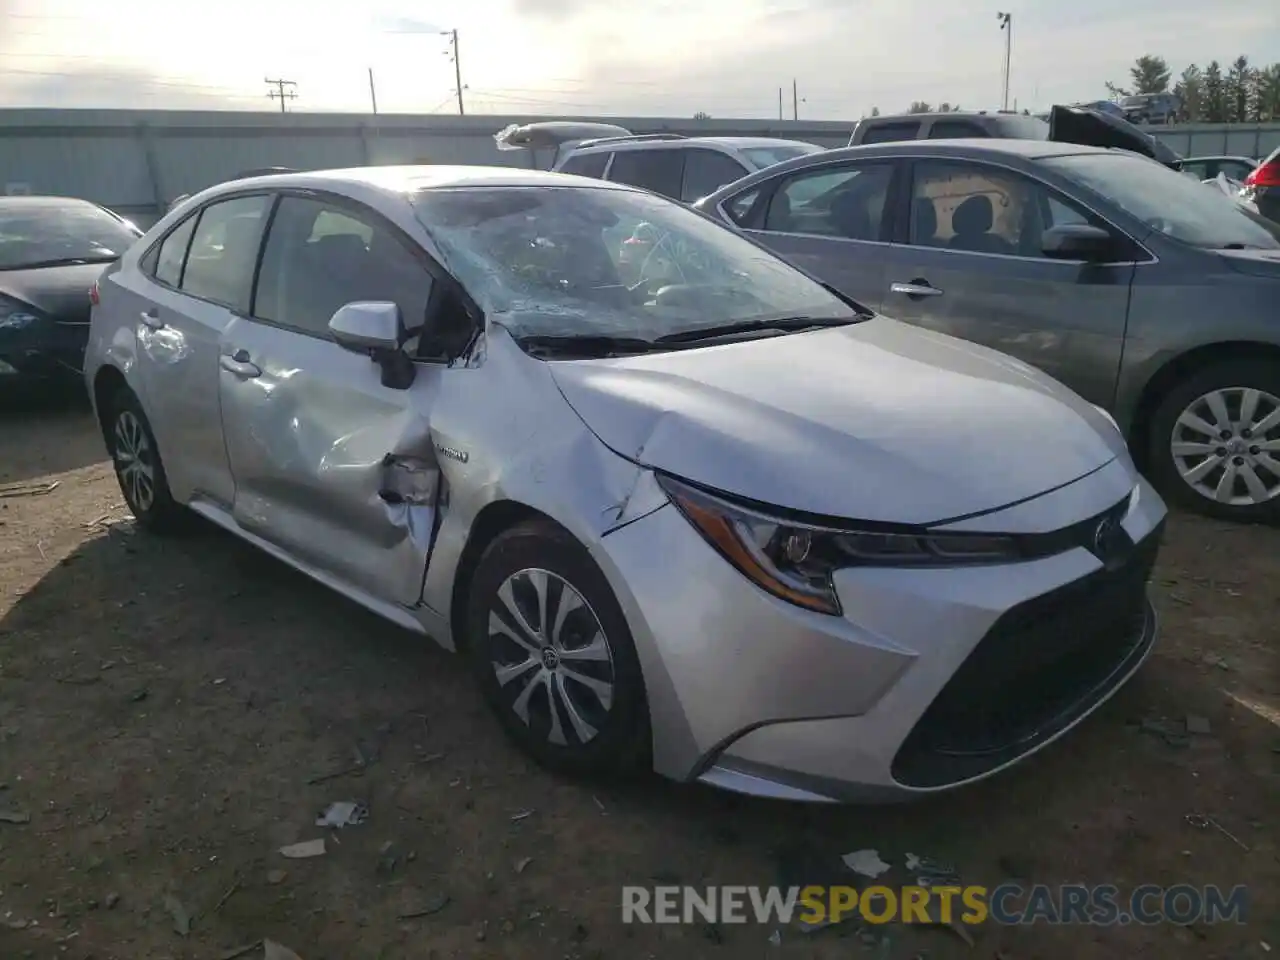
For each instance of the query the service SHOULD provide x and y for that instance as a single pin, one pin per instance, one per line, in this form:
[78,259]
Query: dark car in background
[1154,108]
[1131,283]
[52,251]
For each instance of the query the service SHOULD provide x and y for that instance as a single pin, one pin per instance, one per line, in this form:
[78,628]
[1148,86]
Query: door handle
[151,318]
[240,365]
[916,289]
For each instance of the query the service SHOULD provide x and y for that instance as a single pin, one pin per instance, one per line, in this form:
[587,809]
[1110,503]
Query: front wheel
[1215,441]
[553,654]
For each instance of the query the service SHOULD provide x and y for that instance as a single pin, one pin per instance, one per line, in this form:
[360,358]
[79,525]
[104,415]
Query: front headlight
[794,561]
[14,314]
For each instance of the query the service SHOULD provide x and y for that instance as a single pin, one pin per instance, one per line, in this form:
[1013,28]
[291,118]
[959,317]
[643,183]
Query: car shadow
[42,429]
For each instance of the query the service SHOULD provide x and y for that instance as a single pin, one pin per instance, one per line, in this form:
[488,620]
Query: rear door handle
[240,365]
[915,289]
[151,318]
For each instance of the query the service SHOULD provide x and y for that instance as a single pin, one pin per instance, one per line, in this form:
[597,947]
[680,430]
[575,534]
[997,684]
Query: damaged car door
[329,450]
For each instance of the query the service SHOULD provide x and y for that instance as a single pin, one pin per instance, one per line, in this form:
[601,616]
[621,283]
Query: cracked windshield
[615,263]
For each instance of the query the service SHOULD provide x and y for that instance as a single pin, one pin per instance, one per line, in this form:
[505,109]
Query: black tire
[1230,377]
[620,744]
[125,424]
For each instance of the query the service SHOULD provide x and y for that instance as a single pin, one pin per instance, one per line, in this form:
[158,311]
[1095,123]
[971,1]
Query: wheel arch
[1178,368]
[107,382]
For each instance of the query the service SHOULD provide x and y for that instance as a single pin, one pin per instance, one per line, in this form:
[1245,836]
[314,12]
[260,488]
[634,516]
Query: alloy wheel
[134,461]
[1226,446]
[551,657]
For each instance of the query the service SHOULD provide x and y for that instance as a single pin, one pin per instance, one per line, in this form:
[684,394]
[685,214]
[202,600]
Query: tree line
[1242,93]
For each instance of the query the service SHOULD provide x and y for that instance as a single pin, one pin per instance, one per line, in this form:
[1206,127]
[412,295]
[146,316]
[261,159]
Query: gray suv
[674,166]
[1134,285]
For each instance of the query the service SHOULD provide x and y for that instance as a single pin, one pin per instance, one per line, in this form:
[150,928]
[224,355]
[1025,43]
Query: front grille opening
[1041,665]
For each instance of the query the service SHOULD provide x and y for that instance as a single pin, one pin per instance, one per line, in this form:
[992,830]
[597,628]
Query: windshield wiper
[785,324]
[585,345]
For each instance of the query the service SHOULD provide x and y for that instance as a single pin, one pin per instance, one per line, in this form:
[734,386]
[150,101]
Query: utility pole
[780,115]
[457,65]
[1006,24]
[795,100]
[280,92]
[373,93]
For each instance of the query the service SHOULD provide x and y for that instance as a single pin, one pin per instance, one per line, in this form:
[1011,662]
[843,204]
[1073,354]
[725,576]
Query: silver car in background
[713,520]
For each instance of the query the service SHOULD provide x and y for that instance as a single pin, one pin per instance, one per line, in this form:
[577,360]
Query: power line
[279,92]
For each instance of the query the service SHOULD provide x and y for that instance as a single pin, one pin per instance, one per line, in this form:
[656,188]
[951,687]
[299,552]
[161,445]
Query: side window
[587,165]
[891,132]
[320,256]
[983,209]
[738,207]
[955,129]
[658,170]
[846,202]
[706,171]
[224,250]
[172,251]
[1198,169]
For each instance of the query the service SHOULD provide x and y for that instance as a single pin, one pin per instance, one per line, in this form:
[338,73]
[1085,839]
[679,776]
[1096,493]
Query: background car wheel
[136,459]
[1215,441]
[553,654]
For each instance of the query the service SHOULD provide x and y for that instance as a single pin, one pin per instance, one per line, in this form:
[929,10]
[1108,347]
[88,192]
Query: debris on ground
[1198,726]
[1213,660]
[775,938]
[12,490]
[236,952]
[276,951]
[181,918]
[431,906]
[112,899]
[222,901]
[1202,822]
[522,863]
[14,816]
[932,873]
[1172,732]
[522,815]
[303,850]
[866,863]
[277,877]
[343,813]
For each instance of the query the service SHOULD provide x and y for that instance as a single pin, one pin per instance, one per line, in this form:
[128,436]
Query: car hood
[58,292]
[1093,128]
[874,421]
[1256,263]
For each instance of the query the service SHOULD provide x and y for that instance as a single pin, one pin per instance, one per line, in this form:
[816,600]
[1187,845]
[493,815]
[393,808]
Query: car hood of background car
[61,293]
[874,421]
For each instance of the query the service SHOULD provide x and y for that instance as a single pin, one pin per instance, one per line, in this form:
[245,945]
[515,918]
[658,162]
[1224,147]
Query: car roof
[37,204]
[403,179]
[959,147]
[732,143]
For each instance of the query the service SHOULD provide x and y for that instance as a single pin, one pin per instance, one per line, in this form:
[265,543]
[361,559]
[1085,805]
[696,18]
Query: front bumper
[932,678]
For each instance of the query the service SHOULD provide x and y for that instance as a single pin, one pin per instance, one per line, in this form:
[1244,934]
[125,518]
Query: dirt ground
[166,708]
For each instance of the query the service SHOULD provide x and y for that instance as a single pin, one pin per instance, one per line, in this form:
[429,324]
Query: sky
[728,58]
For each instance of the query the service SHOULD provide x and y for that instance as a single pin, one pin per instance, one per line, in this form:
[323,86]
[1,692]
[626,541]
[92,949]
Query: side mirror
[1078,241]
[372,327]
[375,328]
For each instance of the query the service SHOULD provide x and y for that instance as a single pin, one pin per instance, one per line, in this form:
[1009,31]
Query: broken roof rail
[553,134]
[633,138]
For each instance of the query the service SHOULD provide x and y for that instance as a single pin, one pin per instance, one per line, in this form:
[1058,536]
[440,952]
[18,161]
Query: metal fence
[136,162]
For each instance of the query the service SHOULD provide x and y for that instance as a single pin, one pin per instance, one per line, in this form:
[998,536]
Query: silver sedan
[679,505]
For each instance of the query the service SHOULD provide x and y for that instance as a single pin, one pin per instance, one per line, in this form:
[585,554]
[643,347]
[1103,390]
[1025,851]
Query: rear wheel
[1215,441]
[139,469]
[553,654]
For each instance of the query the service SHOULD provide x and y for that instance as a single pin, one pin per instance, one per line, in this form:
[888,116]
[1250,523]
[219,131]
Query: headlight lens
[795,561]
[14,314]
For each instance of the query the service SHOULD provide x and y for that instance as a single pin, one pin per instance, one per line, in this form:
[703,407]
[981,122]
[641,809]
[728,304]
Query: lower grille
[1041,665]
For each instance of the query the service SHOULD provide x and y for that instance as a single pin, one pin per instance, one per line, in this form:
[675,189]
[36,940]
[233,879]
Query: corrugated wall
[137,161]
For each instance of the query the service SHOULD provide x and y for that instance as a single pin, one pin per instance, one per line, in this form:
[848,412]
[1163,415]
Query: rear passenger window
[586,165]
[658,170]
[955,130]
[173,250]
[224,250]
[706,171]
[891,132]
